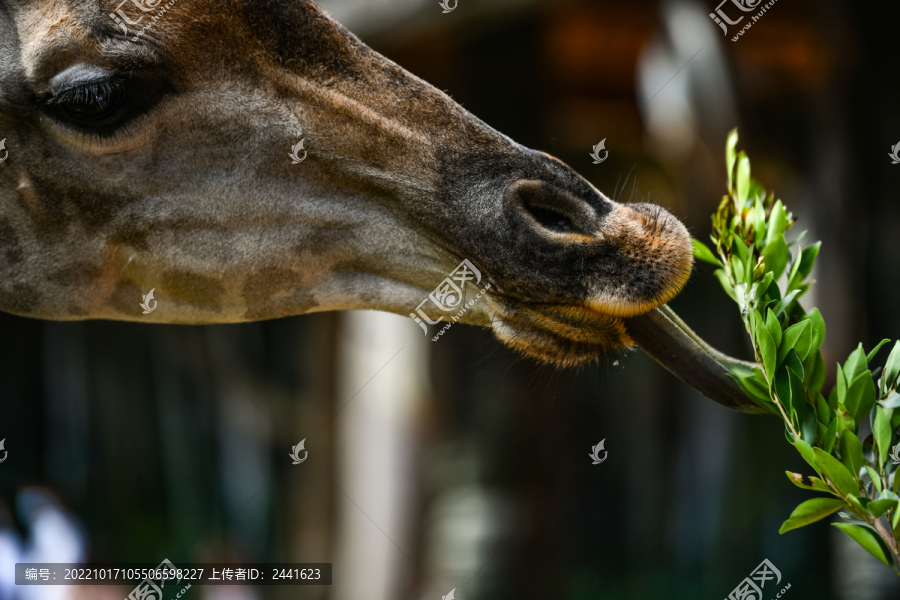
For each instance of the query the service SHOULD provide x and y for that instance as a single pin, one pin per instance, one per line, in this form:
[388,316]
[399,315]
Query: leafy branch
[766,276]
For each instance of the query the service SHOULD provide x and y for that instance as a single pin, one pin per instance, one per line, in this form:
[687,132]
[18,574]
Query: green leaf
[821,486]
[759,218]
[810,512]
[795,265]
[864,538]
[833,398]
[776,253]
[757,190]
[798,399]
[867,400]
[851,452]
[854,396]
[836,472]
[777,223]
[788,434]
[790,338]
[882,432]
[816,376]
[807,259]
[892,367]
[808,454]
[726,284]
[783,390]
[743,178]
[821,431]
[851,517]
[797,479]
[737,268]
[809,423]
[892,401]
[830,436]
[741,250]
[730,145]
[841,386]
[767,350]
[845,421]
[876,480]
[818,325]
[878,507]
[875,350]
[772,296]
[774,327]
[701,252]
[756,391]
[759,289]
[792,362]
[826,415]
[804,342]
[786,301]
[859,503]
[856,364]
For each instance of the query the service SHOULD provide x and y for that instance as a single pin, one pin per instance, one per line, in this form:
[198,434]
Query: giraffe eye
[98,104]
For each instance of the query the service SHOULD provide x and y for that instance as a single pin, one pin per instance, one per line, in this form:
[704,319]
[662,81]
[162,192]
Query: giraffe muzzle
[569,264]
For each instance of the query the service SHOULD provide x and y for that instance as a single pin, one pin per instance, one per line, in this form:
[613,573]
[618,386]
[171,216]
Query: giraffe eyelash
[105,106]
[87,93]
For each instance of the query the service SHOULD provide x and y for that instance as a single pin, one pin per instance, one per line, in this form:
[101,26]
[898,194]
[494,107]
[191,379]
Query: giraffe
[252,159]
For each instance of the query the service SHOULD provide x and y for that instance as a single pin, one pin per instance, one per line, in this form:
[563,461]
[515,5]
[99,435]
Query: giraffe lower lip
[564,335]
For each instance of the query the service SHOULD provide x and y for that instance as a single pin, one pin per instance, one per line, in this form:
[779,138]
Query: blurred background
[459,465]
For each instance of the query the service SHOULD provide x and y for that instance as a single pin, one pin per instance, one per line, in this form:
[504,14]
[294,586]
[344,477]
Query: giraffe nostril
[553,209]
[552,220]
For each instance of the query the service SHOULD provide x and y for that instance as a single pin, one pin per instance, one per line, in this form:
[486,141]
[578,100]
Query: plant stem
[888,538]
[885,533]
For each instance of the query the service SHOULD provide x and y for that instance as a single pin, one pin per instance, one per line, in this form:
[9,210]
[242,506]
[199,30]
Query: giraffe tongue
[665,337]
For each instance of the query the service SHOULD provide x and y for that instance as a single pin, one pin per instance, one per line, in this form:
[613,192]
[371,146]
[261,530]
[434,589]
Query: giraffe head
[157,145]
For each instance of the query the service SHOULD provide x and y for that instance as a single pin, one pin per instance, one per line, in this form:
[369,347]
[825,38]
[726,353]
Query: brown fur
[195,195]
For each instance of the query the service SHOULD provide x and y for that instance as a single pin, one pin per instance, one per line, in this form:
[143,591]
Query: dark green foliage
[766,275]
